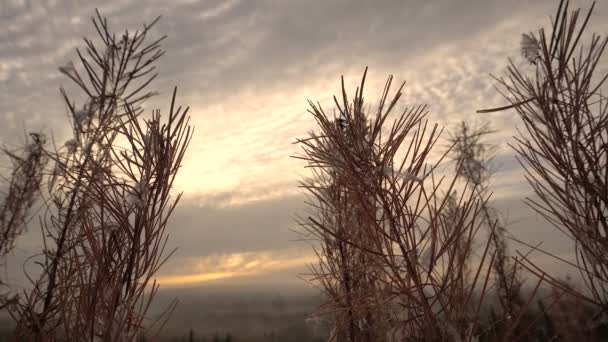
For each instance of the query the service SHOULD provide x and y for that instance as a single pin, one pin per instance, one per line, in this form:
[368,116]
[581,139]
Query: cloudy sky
[247,68]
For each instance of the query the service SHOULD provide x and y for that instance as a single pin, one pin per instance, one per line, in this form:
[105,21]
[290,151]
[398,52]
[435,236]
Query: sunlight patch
[218,267]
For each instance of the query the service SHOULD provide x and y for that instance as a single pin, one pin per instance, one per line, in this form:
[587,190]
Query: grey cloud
[263,45]
[256,47]
[200,227]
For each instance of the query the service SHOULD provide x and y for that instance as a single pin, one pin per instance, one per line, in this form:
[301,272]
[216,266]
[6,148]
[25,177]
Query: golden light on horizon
[237,265]
[195,278]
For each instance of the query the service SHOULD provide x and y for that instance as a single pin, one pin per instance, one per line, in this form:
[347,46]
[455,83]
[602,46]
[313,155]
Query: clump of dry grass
[563,148]
[108,198]
[473,156]
[390,246]
[23,185]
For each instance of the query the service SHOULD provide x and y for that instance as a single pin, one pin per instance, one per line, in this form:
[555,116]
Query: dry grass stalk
[374,196]
[22,191]
[564,146]
[470,151]
[109,199]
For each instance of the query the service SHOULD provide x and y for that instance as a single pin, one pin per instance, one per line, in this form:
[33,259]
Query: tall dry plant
[23,185]
[22,190]
[564,148]
[347,274]
[472,156]
[377,213]
[108,200]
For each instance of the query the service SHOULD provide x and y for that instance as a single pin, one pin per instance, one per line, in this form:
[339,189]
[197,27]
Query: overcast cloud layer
[247,68]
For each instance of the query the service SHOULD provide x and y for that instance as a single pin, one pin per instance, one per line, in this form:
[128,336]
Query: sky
[247,69]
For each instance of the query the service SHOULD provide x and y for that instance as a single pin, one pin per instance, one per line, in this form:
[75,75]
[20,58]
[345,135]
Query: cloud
[203,226]
[237,265]
[247,68]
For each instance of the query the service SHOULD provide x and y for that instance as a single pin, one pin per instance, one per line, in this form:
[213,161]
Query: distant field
[243,315]
[246,315]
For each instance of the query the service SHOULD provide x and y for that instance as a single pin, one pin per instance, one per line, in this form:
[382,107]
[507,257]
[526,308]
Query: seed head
[530,47]
[71,145]
[68,69]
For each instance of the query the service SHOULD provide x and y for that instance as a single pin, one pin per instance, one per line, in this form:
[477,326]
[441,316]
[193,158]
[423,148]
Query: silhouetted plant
[473,156]
[564,148]
[347,273]
[108,198]
[413,243]
[22,191]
